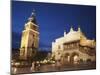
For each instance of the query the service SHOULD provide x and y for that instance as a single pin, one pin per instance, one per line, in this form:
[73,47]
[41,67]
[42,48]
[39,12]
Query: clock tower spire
[30,38]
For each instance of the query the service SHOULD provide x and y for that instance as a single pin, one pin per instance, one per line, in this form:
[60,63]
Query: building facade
[30,38]
[73,47]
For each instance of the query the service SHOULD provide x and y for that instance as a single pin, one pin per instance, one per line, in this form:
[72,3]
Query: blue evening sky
[52,20]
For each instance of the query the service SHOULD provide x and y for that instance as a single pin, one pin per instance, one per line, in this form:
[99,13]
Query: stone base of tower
[22,54]
[27,53]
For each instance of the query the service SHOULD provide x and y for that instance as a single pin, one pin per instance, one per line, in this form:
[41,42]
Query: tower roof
[32,18]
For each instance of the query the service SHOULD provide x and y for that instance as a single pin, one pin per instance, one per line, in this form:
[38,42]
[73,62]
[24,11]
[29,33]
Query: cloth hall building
[73,47]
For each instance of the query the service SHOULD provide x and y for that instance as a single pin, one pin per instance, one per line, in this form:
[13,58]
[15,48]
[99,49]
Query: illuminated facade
[30,38]
[73,47]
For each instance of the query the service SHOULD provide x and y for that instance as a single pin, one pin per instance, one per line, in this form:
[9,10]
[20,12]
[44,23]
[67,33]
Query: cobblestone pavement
[53,67]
